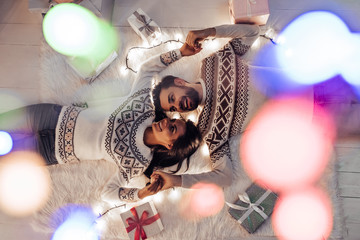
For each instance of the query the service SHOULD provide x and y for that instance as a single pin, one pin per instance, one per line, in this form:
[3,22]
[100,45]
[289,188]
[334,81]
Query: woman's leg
[32,128]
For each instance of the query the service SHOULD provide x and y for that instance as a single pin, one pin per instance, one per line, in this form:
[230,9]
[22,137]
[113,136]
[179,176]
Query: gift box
[142,221]
[90,69]
[253,207]
[145,27]
[249,11]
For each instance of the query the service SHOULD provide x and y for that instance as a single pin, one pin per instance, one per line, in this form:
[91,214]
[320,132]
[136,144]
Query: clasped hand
[159,181]
[193,41]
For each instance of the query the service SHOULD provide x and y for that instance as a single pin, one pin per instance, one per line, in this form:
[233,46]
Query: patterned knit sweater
[231,100]
[113,129]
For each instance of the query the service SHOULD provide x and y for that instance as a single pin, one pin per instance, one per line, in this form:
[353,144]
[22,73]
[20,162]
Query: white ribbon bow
[252,206]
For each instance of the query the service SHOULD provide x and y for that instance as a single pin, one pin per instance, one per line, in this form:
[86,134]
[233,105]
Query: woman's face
[167,131]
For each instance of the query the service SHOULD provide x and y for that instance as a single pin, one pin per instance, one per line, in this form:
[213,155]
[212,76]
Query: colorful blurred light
[312,45]
[283,148]
[71,29]
[80,224]
[303,214]
[78,33]
[350,67]
[203,200]
[6,143]
[24,183]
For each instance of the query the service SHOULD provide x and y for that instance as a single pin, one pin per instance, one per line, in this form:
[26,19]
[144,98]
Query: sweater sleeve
[247,32]
[220,175]
[115,191]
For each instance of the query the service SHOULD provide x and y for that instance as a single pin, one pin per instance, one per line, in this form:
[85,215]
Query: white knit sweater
[113,129]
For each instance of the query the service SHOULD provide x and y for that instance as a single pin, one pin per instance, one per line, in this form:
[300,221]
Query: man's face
[179,98]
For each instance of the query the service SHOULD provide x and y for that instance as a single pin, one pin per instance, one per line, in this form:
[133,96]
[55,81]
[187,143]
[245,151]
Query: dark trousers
[32,128]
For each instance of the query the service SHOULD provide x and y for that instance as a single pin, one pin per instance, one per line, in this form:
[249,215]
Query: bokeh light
[6,143]
[77,32]
[283,148]
[303,214]
[304,56]
[174,195]
[310,56]
[11,100]
[71,29]
[350,67]
[24,183]
[202,200]
[158,197]
[80,224]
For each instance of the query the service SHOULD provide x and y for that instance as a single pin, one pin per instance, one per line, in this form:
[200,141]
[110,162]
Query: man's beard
[193,95]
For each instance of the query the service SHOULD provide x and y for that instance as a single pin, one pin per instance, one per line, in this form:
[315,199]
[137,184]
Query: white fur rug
[81,183]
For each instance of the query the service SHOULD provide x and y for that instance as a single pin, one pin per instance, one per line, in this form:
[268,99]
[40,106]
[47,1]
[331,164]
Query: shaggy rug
[81,183]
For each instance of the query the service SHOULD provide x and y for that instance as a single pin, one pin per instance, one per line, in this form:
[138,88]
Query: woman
[148,145]
[118,129]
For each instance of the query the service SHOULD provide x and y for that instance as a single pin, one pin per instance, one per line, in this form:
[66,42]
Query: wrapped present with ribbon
[142,221]
[249,11]
[253,207]
[145,27]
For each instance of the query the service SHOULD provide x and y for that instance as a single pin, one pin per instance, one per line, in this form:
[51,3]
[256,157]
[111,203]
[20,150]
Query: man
[228,98]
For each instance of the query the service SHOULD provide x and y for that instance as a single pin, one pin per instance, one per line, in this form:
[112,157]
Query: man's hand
[194,38]
[170,180]
[186,50]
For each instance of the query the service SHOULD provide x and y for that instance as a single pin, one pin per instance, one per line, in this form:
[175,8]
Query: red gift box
[142,221]
[249,11]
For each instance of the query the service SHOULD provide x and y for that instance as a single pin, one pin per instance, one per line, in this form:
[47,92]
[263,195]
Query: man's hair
[182,149]
[165,83]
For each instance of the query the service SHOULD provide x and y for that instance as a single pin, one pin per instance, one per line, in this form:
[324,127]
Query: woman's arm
[115,191]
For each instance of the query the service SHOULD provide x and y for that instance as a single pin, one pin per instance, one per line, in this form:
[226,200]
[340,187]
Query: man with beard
[225,97]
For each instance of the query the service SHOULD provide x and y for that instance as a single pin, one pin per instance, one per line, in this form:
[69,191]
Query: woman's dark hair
[182,149]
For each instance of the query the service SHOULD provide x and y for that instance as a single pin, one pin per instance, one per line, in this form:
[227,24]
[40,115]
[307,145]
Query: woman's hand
[194,37]
[169,180]
[186,50]
[155,185]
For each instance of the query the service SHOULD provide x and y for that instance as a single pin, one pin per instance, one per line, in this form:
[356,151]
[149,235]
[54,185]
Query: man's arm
[247,32]
[158,63]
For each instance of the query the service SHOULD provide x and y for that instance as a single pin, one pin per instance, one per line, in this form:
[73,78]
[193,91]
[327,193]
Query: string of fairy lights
[204,149]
